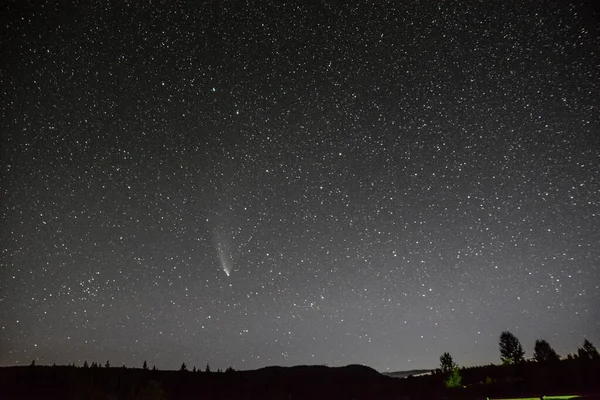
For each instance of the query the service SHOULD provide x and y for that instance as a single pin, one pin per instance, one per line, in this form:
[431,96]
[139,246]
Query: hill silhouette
[529,379]
[318,372]
[314,382]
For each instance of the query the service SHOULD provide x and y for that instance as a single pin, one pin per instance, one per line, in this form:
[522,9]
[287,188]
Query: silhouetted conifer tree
[543,352]
[145,366]
[447,363]
[511,351]
[107,365]
[454,380]
[85,364]
[207,368]
[183,367]
[588,351]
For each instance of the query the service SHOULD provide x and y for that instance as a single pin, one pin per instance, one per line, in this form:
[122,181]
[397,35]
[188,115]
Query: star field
[278,183]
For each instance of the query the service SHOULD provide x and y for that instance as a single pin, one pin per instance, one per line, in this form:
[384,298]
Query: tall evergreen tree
[446,363]
[543,352]
[511,351]
[107,365]
[145,366]
[588,351]
[183,367]
[454,380]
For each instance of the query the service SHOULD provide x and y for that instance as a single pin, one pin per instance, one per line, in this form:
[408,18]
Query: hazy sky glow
[280,183]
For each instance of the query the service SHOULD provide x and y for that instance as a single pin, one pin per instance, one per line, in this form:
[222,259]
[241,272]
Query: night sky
[253,183]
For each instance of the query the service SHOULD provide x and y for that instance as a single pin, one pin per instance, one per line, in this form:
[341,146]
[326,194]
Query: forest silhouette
[543,374]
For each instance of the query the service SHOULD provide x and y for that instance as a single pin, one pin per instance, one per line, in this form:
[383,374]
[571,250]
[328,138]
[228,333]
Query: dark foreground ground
[303,382]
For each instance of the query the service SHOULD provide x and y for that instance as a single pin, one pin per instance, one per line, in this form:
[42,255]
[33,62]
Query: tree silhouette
[454,380]
[145,366]
[85,364]
[447,363]
[194,369]
[207,368]
[32,363]
[450,370]
[543,352]
[588,351]
[107,365]
[183,367]
[511,351]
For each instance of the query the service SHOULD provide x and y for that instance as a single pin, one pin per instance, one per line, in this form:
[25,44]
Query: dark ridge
[352,370]
[528,379]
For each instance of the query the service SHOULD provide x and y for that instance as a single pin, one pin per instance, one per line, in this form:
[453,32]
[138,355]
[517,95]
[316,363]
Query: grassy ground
[544,397]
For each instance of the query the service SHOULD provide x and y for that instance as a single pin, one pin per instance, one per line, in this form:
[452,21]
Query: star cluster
[250,183]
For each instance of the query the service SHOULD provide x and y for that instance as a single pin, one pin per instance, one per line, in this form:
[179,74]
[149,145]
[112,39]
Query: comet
[225,260]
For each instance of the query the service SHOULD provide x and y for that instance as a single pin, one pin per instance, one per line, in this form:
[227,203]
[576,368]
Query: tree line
[183,367]
[511,352]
